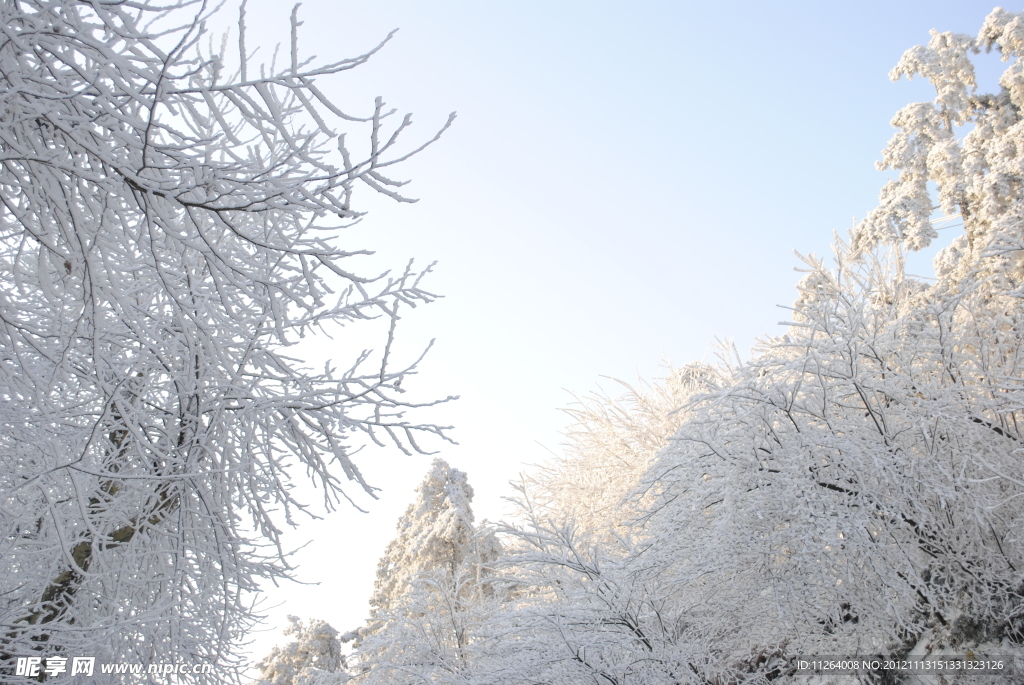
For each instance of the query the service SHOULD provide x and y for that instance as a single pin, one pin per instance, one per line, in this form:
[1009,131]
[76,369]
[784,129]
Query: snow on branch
[167,228]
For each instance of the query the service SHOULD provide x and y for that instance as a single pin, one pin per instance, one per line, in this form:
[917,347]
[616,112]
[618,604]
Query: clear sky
[625,182]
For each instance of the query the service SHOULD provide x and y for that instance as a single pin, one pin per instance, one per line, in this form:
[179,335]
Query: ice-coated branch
[166,230]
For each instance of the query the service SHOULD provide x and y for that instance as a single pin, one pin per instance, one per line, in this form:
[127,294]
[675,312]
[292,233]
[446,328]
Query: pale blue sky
[624,183]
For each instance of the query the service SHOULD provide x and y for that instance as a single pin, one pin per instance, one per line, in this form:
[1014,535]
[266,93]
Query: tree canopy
[169,225]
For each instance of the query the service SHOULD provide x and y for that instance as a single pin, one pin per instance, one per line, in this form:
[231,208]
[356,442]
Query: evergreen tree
[313,657]
[434,589]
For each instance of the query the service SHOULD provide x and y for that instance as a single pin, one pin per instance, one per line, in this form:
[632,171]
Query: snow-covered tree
[852,489]
[312,657]
[967,144]
[855,487]
[580,613]
[610,444]
[584,609]
[169,224]
[436,532]
[434,590]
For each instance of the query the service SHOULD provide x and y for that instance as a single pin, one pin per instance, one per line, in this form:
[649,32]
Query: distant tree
[167,229]
[584,609]
[434,590]
[436,532]
[580,613]
[610,443]
[313,657]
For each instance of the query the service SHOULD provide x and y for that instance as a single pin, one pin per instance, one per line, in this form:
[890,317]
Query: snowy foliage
[855,484]
[167,229]
[853,489]
[609,445]
[436,532]
[434,593]
[313,657]
[965,142]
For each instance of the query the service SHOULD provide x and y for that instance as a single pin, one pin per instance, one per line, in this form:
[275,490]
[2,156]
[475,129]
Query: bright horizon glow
[624,184]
